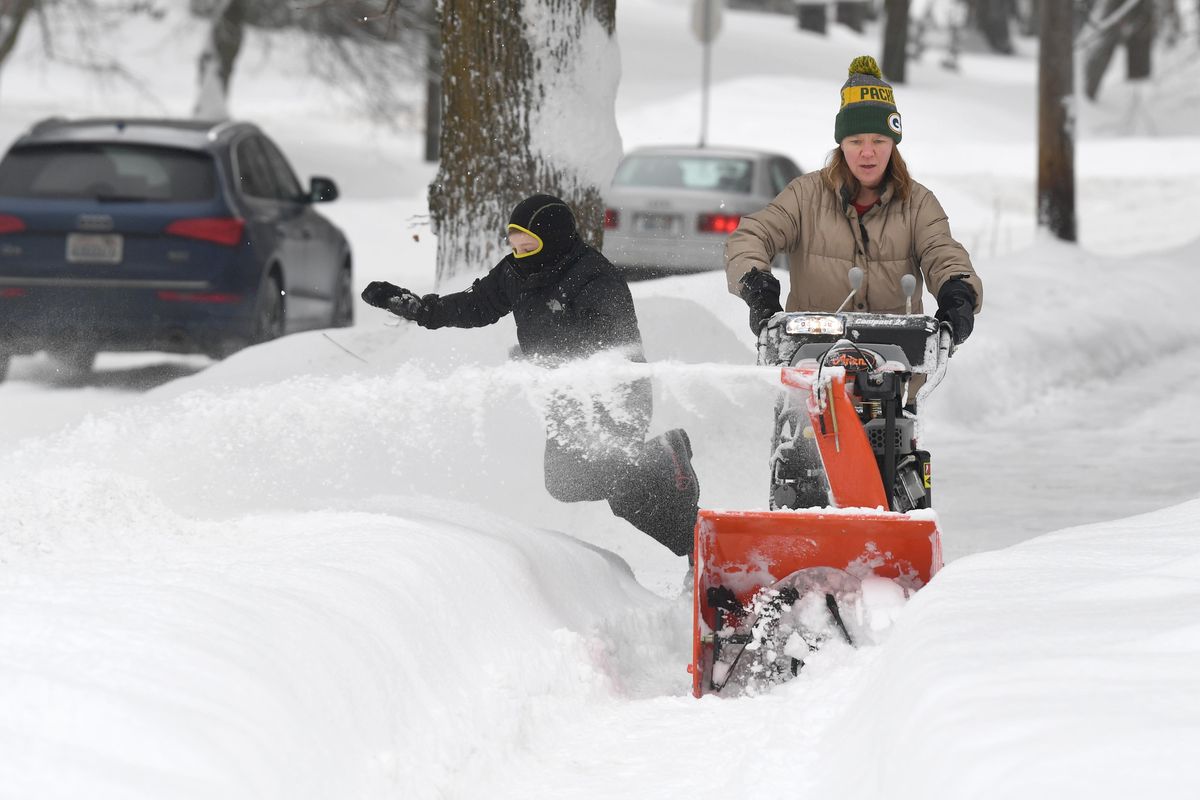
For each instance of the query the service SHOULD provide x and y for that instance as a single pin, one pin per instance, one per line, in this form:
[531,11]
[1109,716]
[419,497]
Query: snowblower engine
[878,354]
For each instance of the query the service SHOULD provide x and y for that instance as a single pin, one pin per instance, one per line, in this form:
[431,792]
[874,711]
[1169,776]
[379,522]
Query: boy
[569,302]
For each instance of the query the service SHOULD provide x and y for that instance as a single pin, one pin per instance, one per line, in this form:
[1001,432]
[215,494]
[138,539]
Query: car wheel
[268,322]
[343,300]
[77,361]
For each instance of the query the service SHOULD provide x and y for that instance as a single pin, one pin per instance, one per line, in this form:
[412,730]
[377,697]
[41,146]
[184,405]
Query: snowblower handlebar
[945,349]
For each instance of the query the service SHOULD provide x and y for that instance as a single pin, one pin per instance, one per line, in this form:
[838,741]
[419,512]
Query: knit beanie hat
[868,105]
[549,220]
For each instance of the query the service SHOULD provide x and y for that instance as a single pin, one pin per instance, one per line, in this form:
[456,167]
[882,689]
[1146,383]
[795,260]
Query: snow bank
[1065,662]
[303,655]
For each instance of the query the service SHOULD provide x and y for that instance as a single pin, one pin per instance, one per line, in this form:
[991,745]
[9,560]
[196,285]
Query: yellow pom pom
[865,65]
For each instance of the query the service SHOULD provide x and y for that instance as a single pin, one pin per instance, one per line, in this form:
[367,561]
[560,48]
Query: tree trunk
[895,40]
[12,17]
[433,90]
[1028,20]
[992,18]
[1169,21]
[1056,121]
[217,60]
[529,91]
[853,15]
[1100,53]
[1095,64]
[811,17]
[1140,41]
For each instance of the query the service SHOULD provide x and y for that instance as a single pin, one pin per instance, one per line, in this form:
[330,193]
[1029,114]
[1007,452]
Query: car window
[702,173]
[782,173]
[254,171]
[285,179]
[113,172]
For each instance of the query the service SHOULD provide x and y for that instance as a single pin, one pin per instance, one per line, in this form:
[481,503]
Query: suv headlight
[816,324]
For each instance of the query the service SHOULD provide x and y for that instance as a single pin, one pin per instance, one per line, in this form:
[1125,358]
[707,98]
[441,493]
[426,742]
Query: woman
[569,302]
[863,209]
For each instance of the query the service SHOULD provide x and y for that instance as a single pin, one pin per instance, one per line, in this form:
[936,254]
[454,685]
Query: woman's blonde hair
[837,173]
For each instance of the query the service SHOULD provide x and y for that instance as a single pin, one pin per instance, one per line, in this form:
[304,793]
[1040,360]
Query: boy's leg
[650,484]
[589,450]
[574,475]
[659,493]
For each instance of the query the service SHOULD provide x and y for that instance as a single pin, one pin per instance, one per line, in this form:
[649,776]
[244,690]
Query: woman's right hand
[760,290]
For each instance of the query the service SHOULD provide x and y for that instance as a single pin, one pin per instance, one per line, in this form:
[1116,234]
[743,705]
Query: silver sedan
[669,209]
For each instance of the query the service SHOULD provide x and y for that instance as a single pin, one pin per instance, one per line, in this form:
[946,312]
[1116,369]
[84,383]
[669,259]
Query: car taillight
[612,218]
[11,224]
[12,291]
[221,230]
[718,223]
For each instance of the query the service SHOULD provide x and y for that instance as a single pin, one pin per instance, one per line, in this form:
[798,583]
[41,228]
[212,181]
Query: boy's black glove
[378,293]
[760,290]
[956,306]
[395,299]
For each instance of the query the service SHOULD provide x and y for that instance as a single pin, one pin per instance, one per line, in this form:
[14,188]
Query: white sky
[293,574]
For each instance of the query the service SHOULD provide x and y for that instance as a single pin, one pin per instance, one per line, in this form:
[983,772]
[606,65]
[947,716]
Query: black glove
[956,306]
[378,293]
[395,299]
[760,290]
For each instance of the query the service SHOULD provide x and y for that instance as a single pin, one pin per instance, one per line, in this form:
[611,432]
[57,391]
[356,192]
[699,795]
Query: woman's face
[522,242]
[867,155]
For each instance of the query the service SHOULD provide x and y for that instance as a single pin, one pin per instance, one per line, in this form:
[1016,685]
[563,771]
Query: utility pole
[1056,121]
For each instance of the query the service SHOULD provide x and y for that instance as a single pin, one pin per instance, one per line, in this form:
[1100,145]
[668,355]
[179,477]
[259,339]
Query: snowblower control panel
[790,337]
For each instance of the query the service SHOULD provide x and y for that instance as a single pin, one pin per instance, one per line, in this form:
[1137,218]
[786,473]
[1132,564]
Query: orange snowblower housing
[746,550]
[737,553]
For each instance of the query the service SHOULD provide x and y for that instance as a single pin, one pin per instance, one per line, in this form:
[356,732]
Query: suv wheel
[269,318]
[343,300]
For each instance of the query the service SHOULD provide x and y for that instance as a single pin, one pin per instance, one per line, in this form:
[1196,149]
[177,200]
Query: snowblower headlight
[816,324]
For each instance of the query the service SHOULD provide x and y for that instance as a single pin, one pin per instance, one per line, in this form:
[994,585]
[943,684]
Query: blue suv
[174,235]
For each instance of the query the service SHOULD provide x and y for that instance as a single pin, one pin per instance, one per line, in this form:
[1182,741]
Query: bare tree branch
[85,24]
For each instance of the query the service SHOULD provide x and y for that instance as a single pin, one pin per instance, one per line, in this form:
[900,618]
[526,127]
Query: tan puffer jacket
[823,237]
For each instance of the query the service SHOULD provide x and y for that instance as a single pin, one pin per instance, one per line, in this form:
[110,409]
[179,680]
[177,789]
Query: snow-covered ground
[302,573]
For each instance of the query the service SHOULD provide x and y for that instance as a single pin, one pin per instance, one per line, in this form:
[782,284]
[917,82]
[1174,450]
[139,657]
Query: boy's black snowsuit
[569,302]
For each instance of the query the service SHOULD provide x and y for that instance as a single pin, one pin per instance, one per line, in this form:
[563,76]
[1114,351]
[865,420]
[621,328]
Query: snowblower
[850,498]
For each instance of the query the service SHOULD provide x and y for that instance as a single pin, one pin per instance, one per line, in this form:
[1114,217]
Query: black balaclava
[550,221]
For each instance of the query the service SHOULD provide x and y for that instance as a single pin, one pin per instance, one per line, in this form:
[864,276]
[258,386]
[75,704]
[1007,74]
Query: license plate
[94,248]
[656,223]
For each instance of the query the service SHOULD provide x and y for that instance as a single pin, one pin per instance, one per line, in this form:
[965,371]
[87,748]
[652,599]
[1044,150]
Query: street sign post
[706,24]
[706,20]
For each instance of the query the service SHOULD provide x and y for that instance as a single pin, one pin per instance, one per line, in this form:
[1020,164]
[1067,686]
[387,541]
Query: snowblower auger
[850,495]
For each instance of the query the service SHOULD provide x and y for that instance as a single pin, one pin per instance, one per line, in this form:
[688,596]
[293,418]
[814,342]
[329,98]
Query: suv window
[703,173]
[254,171]
[110,172]
[782,172]
[285,179]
